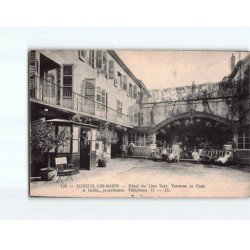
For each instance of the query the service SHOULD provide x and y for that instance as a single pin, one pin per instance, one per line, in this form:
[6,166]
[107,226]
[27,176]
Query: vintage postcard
[139,123]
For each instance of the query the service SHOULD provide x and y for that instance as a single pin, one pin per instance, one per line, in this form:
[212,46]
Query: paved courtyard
[146,178]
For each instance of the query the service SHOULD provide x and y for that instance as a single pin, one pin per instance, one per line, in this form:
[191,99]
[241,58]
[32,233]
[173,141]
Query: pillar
[154,138]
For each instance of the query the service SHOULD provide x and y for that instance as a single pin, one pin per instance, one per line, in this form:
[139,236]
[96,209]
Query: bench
[63,168]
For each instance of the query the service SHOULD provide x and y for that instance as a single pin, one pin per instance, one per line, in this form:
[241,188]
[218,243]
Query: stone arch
[196,114]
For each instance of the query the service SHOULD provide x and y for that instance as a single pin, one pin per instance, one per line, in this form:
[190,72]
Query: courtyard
[139,178]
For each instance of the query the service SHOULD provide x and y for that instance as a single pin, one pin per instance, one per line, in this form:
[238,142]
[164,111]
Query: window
[135,92]
[66,147]
[141,119]
[111,69]
[131,116]
[75,139]
[136,118]
[105,66]
[67,80]
[140,139]
[89,91]
[101,99]
[138,99]
[125,84]
[119,107]
[99,59]
[244,138]
[92,58]
[130,90]
[119,75]
[49,85]
[82,55]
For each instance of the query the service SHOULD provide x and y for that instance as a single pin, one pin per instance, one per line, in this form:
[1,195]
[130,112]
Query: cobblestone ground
[146,178]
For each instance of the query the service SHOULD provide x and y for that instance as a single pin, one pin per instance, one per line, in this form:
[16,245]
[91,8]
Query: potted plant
[103,159]
[44,138]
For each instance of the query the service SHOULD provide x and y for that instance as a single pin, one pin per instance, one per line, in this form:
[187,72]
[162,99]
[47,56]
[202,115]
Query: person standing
[131,148]
[124,150]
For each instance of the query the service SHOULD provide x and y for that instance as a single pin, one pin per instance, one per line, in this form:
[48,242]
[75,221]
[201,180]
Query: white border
[14,44]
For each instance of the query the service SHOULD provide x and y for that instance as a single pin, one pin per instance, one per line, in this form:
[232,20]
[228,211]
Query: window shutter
[59,79]
[111,69]
[90,95]
[125,84]
[99,59]
[58,76]
[92,58]
[115,82]
[105,66]
[136,118]
[135,92]
[130,90]
[82,55]
[32,68]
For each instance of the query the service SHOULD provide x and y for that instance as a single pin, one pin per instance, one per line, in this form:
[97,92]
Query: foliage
[103,157]
[43,137]
[77,118]
[107,136]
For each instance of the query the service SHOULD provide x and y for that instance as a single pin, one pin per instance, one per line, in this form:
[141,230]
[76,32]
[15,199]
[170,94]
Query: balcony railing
[49,92]
[214,153]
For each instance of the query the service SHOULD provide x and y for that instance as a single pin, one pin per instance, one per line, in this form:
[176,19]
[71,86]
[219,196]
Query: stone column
[154,138]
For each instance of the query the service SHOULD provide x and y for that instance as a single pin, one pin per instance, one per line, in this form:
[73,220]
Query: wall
[82,71]
[153,114]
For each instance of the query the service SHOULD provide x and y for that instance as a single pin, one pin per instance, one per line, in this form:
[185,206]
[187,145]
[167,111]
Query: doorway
[84,150]
[116,148]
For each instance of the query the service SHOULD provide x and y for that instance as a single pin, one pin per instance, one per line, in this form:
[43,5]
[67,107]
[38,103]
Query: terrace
[47,92]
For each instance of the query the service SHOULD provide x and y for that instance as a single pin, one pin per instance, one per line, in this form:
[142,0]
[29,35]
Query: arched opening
[195,130]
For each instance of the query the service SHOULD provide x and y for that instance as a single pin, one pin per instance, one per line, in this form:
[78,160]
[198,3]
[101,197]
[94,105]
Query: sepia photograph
[139,123]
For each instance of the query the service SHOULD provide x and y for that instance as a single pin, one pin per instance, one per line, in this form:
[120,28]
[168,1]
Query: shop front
[80,148]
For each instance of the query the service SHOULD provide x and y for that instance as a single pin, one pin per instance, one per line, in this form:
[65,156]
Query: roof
[128,71]
[71,122]
[237,67]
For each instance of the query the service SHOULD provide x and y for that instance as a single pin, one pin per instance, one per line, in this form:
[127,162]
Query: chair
[63,168]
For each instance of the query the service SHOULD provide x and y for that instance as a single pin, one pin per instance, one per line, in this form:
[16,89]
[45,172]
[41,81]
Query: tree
[107,136]
[43,137]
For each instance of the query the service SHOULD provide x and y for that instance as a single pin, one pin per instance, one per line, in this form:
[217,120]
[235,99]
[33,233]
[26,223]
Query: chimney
[232,62]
